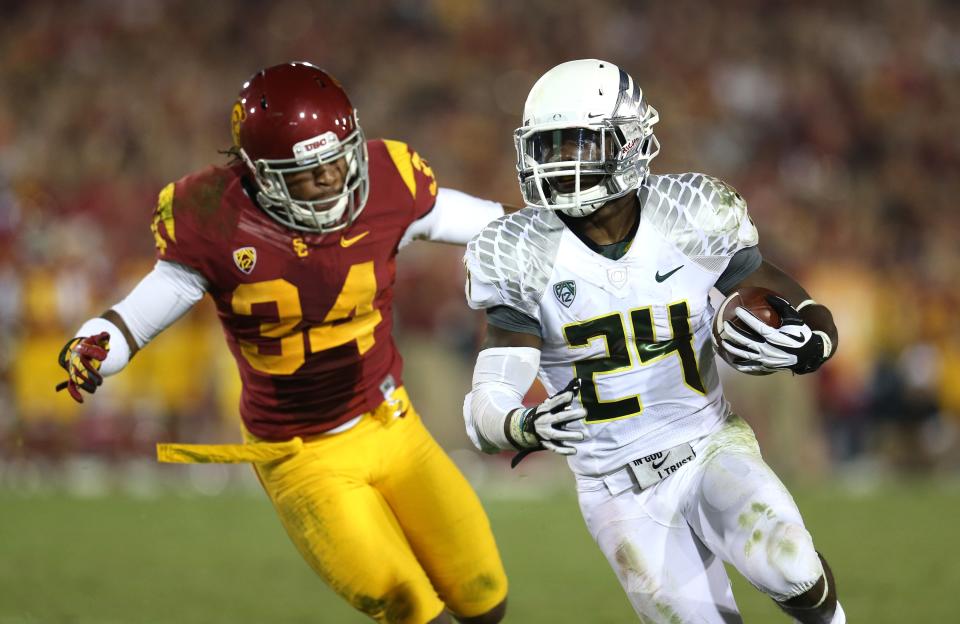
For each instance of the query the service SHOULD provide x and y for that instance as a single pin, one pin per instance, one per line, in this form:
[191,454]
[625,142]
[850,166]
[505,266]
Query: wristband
[118,355]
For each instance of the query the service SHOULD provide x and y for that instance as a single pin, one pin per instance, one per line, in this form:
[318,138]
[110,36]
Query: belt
[648,470]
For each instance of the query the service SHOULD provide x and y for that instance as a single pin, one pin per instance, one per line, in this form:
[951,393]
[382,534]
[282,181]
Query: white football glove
[544,426]
[793,346]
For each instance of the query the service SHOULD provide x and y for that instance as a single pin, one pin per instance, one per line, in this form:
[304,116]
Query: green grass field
[225,559]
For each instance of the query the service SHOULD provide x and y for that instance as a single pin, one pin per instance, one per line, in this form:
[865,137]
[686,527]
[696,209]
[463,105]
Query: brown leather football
[754,299]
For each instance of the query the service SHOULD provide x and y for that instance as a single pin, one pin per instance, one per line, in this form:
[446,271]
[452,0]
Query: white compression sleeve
[162,296]
[456,218]
[501,378]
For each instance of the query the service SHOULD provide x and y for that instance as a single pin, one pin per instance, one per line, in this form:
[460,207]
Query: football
[754,299]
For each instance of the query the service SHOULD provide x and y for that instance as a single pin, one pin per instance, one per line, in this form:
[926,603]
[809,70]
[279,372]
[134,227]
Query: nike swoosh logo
[594,116]
[346,242]
[660,278]
[656,466]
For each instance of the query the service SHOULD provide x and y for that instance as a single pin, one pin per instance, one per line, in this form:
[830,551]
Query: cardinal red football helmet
[294,117]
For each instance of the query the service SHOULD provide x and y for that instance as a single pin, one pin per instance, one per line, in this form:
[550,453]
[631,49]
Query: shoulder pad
[703,216]
[201,194]
[511,260]
[415,171]
[191,216]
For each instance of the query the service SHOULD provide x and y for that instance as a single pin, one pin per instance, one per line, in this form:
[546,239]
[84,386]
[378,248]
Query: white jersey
[636,330]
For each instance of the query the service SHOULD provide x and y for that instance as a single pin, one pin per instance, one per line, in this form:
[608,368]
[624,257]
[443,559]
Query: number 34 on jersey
[282,348]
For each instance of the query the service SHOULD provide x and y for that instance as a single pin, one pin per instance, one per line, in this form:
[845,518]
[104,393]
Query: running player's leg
[444,522]
[329,504]
[743,512]
[666,571]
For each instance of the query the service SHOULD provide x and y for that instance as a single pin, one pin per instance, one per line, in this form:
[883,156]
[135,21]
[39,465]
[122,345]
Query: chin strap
[585,207]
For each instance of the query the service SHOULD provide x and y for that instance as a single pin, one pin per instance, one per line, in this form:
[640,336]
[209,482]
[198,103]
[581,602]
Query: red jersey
[308,317]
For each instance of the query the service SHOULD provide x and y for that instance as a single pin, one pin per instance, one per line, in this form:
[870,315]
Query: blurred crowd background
[836,121]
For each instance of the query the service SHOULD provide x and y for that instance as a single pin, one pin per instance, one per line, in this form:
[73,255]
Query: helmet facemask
[320,216]
[577,168]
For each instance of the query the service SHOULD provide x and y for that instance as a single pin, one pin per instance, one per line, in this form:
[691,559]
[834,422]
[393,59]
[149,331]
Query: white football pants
[667,543]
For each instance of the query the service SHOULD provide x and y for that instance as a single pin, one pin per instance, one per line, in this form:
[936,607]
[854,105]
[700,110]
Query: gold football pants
[381,514]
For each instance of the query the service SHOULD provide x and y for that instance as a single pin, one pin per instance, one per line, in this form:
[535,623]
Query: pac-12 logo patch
[245,258]
[565,292]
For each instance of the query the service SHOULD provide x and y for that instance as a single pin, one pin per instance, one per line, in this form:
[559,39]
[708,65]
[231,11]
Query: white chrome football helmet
[587,138]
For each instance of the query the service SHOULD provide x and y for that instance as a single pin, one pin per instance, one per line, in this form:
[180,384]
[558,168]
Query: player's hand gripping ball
[758,332]
[753,299]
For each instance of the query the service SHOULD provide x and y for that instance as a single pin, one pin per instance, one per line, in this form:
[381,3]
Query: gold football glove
[81,358]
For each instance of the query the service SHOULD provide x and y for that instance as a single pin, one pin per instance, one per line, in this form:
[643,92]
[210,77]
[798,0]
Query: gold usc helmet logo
[237,117]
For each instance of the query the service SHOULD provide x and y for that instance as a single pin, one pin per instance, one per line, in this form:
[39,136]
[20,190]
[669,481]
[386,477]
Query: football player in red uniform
[296,243]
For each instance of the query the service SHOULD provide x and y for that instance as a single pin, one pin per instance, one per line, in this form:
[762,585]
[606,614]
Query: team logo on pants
[565,291]
[245,258]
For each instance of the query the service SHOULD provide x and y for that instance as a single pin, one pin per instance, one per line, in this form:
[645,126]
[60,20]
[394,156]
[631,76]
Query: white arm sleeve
[162,296]
[501,378]
[455,218]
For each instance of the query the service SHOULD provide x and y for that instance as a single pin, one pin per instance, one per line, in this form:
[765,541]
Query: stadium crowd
[837,122]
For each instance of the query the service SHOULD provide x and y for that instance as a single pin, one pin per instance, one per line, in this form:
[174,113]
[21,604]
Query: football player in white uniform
[601,285]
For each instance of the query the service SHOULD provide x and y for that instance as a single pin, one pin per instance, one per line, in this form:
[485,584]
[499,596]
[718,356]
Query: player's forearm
[820,319]
[112,316]
[162,296]
[501,378]
[456,218]
[160,299]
